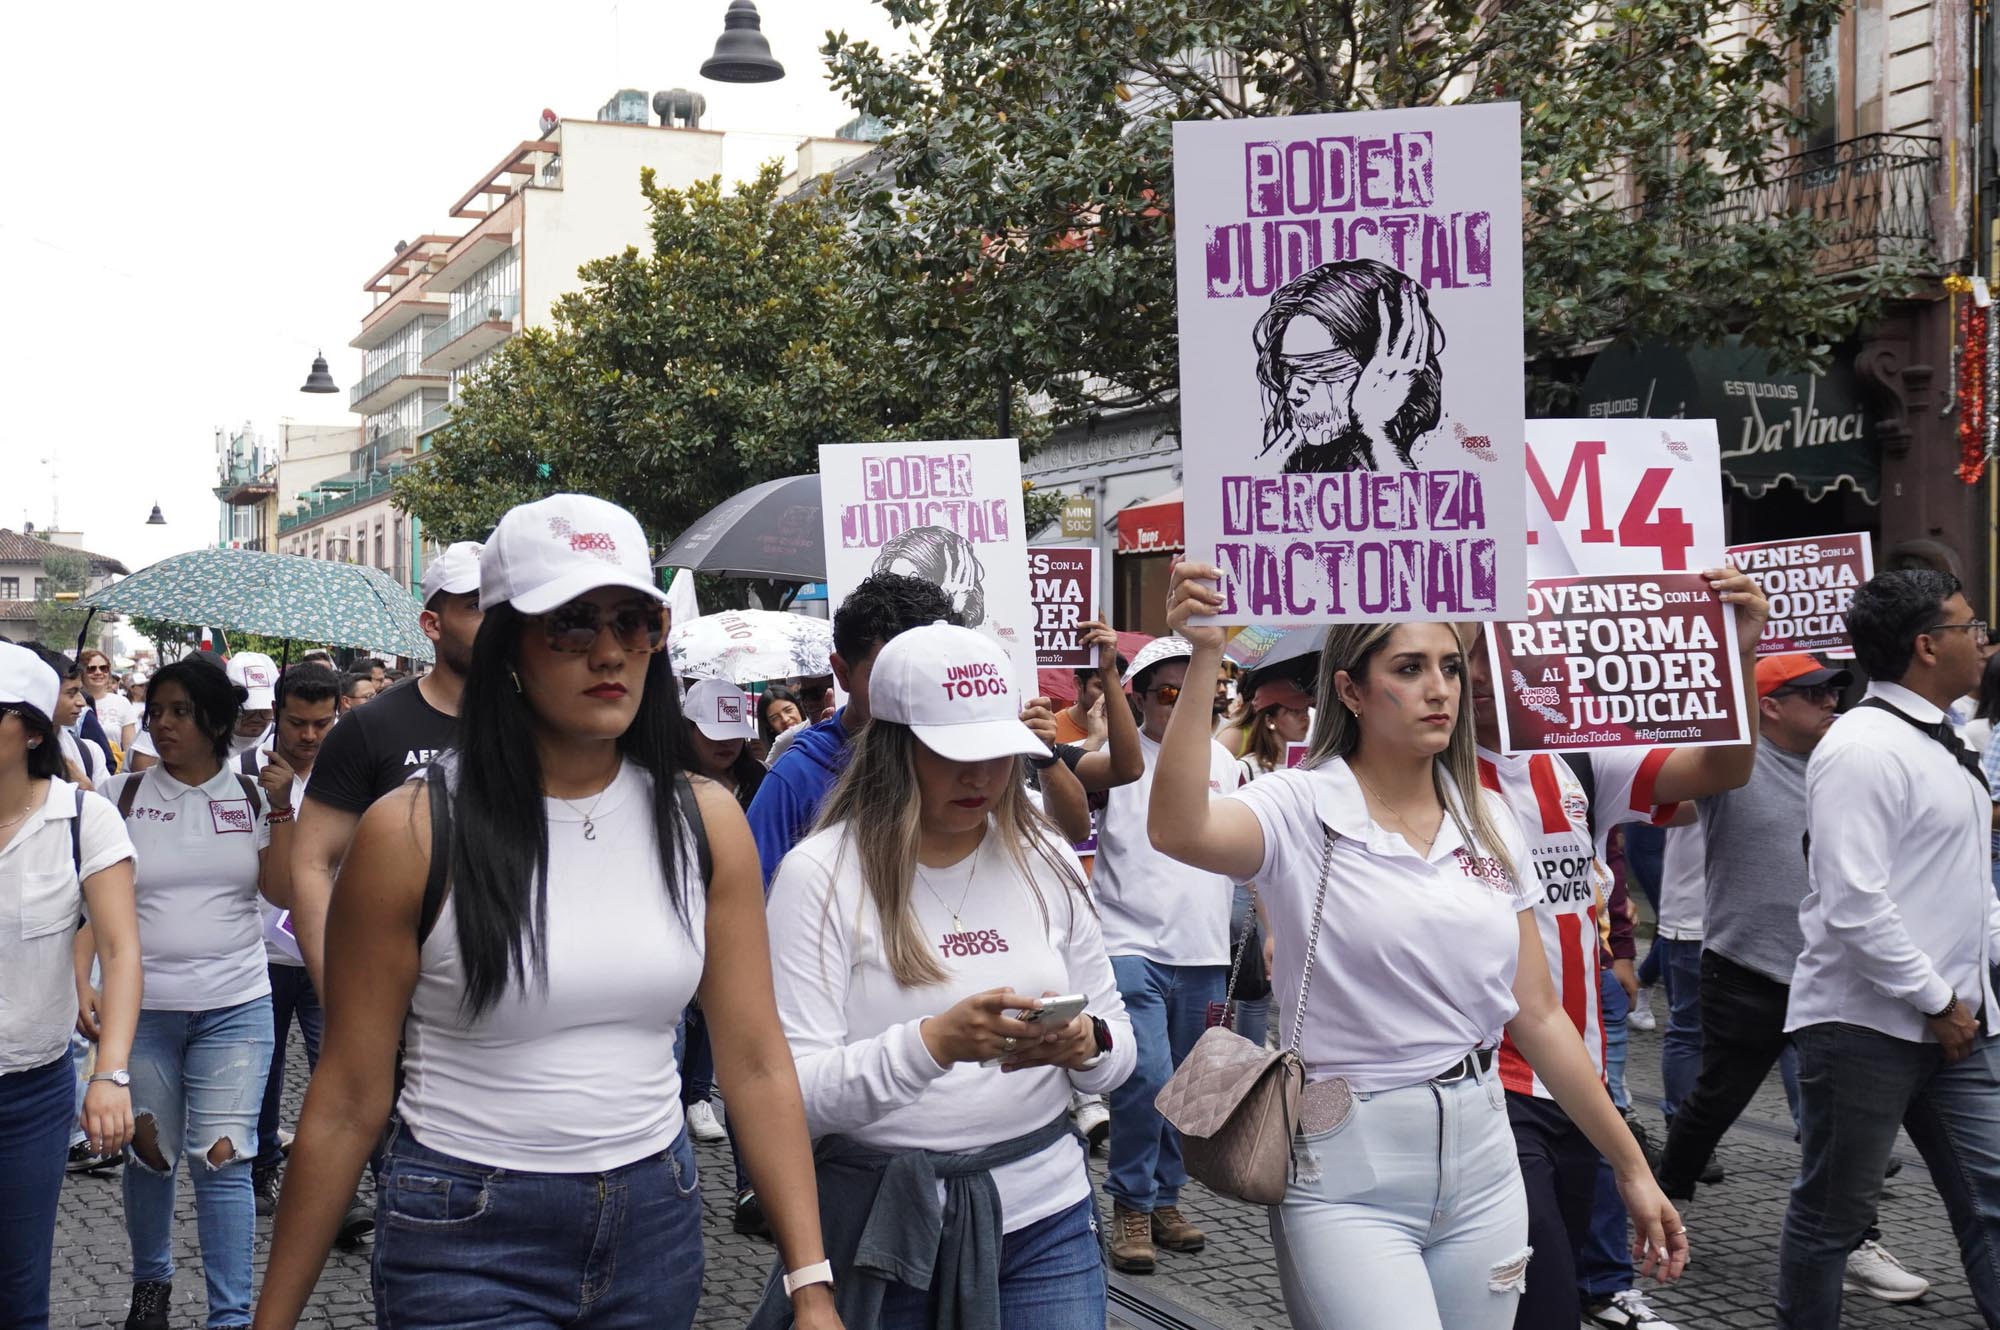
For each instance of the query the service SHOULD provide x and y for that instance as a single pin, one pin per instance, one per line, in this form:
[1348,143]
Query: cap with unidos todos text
[954,688]
[719,710]
[25,678]
[257,675]
[1796,669]
[549,552]
[454,572]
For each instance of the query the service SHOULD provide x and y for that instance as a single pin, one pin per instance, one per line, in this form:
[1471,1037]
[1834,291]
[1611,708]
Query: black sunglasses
[1819,692]
[573,628]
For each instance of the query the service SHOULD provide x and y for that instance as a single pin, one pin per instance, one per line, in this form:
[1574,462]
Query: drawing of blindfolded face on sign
[1347,358]
[946,559]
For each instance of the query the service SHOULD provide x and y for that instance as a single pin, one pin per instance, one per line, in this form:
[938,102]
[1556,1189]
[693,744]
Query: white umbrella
[751,646]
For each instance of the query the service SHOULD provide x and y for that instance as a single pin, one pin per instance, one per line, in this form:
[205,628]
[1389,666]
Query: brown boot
[1172,1231]
[1131,1241]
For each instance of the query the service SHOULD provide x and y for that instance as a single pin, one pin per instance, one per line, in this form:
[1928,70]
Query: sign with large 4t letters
[1624,645]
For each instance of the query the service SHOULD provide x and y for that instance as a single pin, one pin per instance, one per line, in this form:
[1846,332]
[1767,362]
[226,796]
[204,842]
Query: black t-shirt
[378,746]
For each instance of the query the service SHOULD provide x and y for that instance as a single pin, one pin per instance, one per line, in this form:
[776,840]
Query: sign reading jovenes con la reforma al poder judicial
[1350,327]
[1810,583]
[1623,644]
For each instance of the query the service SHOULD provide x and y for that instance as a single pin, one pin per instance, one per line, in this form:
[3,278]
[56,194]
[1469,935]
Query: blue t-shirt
[789,799]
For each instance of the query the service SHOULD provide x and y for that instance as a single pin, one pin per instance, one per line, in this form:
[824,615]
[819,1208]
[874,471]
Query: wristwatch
[120,1078]
[1102,1032]
[821,1273]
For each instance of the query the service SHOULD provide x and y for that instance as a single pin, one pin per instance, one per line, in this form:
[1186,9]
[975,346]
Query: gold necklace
[972,867]
[1393,811]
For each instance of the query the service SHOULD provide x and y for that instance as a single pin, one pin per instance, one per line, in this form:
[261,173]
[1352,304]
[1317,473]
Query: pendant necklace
[972,867]
[590,815]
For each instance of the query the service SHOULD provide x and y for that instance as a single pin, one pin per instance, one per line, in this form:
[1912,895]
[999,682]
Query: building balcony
[383,451]
[1871,195]
[335,497]
[434,419]
[475,330]
[245,491]
[400,376]
[398,312]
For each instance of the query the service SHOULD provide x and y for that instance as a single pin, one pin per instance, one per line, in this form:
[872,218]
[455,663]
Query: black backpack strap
[246,762]
[130,794]
[1586,775]
[691,810]
[249,788]
[76,835]
[440,869]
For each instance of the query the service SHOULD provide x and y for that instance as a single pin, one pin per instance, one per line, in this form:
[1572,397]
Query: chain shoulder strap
[1312,943]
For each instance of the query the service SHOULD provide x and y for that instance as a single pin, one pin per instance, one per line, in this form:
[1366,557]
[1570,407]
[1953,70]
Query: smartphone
[1054,1012]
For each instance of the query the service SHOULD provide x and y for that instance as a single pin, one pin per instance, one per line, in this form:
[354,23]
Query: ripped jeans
[1417,1219]
[198,1080]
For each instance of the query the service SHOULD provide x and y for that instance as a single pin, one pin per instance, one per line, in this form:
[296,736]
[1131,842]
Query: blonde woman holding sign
[1409,1209]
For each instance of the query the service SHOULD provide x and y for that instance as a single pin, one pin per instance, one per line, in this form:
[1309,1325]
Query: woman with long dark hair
[529,922]
[62,850]
[916,933]
[1405,944]
[210,841]
[719,734]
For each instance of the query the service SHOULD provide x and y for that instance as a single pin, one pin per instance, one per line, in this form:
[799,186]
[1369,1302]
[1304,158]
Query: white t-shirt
[86,753]
[1684,882]
[1571,884]
[1154,906]
[197,873]
[41,899]
[1416,955]
[856,1034]
[580,1076]
[114,712]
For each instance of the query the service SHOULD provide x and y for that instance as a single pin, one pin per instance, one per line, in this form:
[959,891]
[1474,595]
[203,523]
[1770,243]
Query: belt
[1478,1062]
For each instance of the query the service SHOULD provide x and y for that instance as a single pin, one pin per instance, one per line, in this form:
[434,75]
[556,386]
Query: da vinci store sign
[1773,425]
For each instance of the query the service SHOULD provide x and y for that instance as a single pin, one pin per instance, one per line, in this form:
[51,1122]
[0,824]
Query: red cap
[1796,669]
[1280,693]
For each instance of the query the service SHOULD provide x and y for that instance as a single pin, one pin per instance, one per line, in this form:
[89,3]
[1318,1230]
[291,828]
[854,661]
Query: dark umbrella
[769,530]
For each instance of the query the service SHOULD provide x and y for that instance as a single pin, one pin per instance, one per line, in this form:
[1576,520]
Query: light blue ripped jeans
[1416,1219]
[197,1080]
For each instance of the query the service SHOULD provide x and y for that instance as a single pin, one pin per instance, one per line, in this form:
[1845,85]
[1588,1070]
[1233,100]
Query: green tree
[1023,204]
[675,379]
[66,572]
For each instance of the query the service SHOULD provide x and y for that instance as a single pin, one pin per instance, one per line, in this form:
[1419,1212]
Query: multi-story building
[445,303]
[257,483]
[25,581]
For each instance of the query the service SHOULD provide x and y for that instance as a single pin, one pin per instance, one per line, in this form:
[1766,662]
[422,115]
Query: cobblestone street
[1233,1284]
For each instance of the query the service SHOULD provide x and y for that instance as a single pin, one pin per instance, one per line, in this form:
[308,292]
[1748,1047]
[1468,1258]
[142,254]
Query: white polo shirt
[199,936]
[41,899]
[1151,905]
[1417,953]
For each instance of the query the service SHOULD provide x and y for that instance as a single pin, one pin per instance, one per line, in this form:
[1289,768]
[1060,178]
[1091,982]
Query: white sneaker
[1093,1119]
[1626,1310]
[1872,1270]
[1641,1016]
[702,1124]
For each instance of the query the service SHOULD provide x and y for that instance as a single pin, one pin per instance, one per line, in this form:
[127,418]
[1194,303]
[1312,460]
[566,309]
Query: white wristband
[821,1273]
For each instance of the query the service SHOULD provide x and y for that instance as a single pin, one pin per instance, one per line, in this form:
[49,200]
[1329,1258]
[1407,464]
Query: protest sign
[1350,351]
[1295,755]
[1062,585]
[1623,644]
[1810,583]
[949,513]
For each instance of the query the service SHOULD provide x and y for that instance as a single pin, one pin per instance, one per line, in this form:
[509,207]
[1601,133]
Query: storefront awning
[1813,430]
[1152,526]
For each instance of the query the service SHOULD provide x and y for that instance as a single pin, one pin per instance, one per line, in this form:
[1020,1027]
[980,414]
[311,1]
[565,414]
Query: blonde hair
[876,806]
[1352,647]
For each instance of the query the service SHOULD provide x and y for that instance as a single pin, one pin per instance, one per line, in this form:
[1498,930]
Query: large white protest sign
[1623,644]
[949,513]
[1351,389]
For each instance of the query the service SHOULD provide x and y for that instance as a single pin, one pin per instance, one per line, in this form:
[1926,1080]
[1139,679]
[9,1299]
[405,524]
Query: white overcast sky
[195,193]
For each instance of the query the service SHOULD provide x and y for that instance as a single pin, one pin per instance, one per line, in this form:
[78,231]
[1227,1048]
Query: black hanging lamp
[156,519]
[320,380]
[742,54]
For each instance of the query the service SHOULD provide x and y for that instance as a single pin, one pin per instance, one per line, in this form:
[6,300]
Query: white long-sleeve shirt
[856,1034]
[1900,914]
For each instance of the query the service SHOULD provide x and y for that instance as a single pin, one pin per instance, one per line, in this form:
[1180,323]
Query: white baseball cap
[1175,647]
[455,571]
[954,688]
[719,710]
[256,674]
[25,678]
[549,552]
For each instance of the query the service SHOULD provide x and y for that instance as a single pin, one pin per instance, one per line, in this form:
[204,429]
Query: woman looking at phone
[1427,948]
[539,1173]
[914,936]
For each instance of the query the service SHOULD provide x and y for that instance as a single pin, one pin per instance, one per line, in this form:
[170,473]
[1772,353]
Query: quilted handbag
[1236,1104]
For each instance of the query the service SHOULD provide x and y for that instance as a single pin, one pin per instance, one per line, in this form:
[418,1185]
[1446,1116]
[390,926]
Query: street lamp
[742,53]
[319,380]
[156,519]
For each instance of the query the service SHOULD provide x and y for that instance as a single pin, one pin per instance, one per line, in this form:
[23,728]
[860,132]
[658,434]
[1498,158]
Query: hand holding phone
[1049,1013]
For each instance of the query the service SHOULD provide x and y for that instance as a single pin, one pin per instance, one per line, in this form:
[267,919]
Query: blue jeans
[197,1079]
[1168,1005]
[1604,1251]
[34,1138]
[291,995]
[1856,1086]
[1611,994]
[697,1060]
[1051,1278]
[1253,1019]
[465,1246]
[1680,1046]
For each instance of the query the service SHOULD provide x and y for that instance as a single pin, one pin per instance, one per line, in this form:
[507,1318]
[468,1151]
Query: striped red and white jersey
[1568,868]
